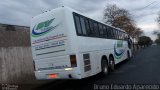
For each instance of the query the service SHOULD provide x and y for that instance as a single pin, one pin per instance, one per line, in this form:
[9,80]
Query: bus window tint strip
[91,28]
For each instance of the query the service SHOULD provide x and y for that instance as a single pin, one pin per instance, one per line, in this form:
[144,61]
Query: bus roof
[72,10]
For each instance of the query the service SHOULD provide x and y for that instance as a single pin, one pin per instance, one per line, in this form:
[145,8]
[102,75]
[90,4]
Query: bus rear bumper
[50,74]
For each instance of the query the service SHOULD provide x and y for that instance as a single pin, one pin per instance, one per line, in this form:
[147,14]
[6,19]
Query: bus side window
[83,27]
[88,28]
[121,34]
[100,30]
[126,37]
[78,26]
[112,35]
[96,31]
[115,34]
[118,35]
[104,31]
[91,27]
[108,33]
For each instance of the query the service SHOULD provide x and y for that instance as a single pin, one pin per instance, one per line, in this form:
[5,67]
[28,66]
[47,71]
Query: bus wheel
[128,55]
[111,63]
[104,66]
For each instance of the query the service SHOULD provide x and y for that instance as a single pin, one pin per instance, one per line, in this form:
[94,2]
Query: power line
[155,5]
[143,15]
[144,7]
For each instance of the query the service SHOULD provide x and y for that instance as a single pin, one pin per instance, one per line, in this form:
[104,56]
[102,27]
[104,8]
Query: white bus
[68,45]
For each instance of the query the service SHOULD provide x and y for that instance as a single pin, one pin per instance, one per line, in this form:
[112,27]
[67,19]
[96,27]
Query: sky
[20,12]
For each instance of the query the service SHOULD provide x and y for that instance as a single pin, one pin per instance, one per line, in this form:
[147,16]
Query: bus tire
[111,63]
[104,66]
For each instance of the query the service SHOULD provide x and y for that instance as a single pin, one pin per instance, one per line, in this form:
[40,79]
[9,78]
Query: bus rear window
[78,27]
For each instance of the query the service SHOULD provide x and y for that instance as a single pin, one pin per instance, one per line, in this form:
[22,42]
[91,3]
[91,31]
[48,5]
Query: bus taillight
[73,60]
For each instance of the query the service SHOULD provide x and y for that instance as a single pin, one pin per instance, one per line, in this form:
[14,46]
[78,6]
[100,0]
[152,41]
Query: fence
[16,65]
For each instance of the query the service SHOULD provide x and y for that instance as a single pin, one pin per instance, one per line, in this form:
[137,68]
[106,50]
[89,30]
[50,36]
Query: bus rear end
[51,51]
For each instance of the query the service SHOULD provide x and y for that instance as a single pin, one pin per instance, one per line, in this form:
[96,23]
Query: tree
[111,12]
[158,36]
[157,32]
[157,41]
[122,22]
[145,41]
[121,18]
[137,33]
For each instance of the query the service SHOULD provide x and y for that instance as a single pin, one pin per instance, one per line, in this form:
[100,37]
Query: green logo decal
[118,49]
[43,28]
